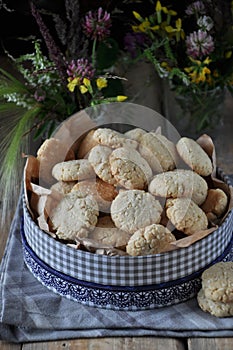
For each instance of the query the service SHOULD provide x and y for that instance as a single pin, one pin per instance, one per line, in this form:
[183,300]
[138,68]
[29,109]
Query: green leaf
[107,54]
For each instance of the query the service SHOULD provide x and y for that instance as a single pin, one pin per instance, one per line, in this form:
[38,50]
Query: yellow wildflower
[121,98]
[158,6]
[101,83]
[83,89]
[72,83]
[87,82]
[137,16]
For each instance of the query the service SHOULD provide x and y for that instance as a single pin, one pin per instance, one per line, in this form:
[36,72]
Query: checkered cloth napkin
[31,312]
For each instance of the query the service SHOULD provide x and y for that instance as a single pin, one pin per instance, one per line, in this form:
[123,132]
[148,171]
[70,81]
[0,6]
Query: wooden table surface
[223,140]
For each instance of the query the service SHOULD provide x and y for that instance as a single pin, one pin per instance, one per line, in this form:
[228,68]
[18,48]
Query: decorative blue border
[113,297]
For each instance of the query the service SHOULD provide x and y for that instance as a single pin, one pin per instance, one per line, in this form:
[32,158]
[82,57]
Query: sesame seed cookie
[51,152]
[73,170]
[217,282]
[112,138]
[107,233]
[129,168]
[134,209]
[159,152]
[103,192]
[186,215]
[152,239]
[194,156]
[179,183]
[215,308]
[216,202]
[99,159]
[74,216]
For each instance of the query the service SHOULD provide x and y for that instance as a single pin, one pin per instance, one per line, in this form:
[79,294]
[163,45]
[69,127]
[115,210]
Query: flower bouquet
[190,45]
[66,72]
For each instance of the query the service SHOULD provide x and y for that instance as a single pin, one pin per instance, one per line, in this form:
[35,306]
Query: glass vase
[193,113]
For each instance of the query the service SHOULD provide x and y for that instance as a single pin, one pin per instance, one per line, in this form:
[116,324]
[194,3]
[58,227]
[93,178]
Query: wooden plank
[9,346]
[118,343]
[210,343]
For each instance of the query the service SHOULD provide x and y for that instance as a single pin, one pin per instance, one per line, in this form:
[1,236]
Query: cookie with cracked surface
[103,192]
[194,156]
[186,215]
[51,152]
[152,239]
[216,202]
[179,183]
[107,233]
[74,216]
[159,152]
[112,138]
[135,209]
[217,282]
[129,168]
[135,134]
[215,308]
[99,159]
[73,170]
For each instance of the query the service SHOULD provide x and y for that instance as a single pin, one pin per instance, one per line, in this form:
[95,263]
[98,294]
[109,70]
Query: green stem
[94,53]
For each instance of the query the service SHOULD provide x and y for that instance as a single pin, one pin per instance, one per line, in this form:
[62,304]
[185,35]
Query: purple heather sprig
[199,44]
[97,24]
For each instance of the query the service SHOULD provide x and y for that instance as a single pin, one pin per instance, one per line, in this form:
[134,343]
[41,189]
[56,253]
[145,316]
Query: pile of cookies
[130,193]
[216,294]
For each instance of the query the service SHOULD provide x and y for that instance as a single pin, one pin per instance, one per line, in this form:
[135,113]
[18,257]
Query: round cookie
[194,155]
[86,145]
[217,282]
[112,138]
[159,152]
[216,202]
[103,192]
[152,239]
[179,183]
[74,216]
[62,187]
[99,159]
[51,152]
[186,215]
[135,209]
[107,233]
[129,168]
[215,308]
[73,170]
[135,134]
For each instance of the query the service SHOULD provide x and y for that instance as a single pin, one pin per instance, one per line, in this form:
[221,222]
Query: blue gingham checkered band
[127,270]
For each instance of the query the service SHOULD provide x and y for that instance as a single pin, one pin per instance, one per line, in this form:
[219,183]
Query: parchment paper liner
[36,196]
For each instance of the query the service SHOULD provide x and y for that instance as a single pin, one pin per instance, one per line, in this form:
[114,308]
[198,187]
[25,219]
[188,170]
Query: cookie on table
[215,308]
[86,145]
[103,192]
[216,202]
[129,168]
[51,152]
[135,209]
[186,215]
[112,138]
[194,156]
[135,134]
[159,152]
[217,282]
[107,233]
[74,216]
[73,170]
[152,239]
[179,183]
[99,159]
